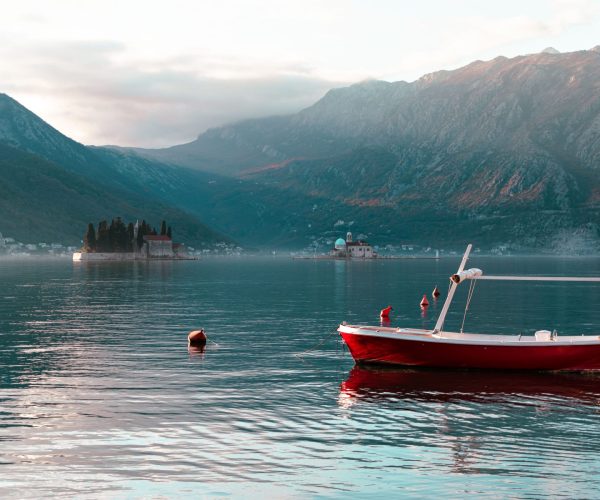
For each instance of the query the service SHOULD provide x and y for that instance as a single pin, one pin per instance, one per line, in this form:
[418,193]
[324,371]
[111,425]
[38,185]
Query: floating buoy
[385,313]
[436,293]
[424,301]
[197,337]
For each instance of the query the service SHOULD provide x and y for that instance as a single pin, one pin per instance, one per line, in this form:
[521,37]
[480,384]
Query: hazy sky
[156,73]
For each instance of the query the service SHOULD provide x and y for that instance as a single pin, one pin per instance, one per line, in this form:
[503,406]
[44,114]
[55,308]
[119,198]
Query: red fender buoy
[385,313]
[424,301]
[197,337]
[436,293]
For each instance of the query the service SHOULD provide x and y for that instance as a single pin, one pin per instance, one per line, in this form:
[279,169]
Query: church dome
[340,244]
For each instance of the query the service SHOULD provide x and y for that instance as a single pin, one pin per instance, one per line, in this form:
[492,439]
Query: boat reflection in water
[375,383]
[469,422]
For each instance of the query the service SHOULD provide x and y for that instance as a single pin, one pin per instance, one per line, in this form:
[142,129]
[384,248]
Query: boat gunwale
[474,339]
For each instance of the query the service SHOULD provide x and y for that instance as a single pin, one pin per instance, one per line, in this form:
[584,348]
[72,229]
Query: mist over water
[100,396]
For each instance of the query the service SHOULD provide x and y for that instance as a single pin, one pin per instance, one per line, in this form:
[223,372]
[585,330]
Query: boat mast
[442,317]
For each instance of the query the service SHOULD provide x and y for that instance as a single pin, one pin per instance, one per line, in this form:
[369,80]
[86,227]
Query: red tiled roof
[157,237]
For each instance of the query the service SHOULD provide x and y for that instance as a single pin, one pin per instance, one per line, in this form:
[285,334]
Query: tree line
[119,237]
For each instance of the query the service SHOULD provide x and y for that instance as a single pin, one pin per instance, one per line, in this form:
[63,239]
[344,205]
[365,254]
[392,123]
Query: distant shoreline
[391,257]
[121,257]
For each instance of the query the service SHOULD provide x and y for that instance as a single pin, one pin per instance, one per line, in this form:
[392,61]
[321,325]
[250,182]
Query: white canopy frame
[476,274]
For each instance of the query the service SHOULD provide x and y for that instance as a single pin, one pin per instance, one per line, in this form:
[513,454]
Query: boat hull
[409,350]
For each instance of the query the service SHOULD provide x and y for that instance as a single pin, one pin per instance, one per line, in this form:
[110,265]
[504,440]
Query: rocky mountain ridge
[503,103]
[501,152]
[498,139]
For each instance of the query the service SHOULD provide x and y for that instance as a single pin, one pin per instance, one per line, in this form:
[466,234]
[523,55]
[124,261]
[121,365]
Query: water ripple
[100,396]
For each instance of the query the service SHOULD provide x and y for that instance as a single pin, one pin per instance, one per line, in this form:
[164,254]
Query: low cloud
[155,74]
[107,99]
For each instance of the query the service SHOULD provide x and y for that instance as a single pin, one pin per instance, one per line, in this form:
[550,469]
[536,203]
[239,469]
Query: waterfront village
[102,241]
[350,248]
[331,245]
[10,247]
[135,241]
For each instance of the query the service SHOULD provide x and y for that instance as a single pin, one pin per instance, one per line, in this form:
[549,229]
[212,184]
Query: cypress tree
[103,238]
[121,234]
[112,236]
[140,237]
[142,231]
[130,232]
[163,228]
[89,239]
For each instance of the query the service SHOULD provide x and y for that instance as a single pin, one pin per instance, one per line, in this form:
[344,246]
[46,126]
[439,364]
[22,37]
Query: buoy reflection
[196,351]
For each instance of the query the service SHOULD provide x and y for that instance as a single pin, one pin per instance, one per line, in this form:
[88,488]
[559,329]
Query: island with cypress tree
[119,241]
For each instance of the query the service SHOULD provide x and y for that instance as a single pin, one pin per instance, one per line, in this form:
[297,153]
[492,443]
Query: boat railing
[476,274]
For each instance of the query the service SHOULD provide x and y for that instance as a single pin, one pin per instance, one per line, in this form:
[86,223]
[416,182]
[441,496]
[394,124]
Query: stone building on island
[349,249]
[156,245]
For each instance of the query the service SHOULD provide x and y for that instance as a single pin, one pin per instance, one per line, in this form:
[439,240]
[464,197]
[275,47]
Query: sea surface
[100,396]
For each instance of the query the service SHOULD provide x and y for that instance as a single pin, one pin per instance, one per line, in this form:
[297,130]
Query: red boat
[437,348]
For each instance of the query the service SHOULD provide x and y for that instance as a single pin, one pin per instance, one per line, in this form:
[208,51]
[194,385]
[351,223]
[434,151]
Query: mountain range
[52,186]
[501,152]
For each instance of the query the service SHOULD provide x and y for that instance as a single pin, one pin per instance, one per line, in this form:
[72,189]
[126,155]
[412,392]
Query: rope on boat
[469,297]
[318,344]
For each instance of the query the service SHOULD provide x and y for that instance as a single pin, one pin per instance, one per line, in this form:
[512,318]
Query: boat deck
[471,338]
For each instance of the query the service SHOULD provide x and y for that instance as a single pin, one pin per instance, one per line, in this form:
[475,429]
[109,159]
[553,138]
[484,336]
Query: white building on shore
[350,249]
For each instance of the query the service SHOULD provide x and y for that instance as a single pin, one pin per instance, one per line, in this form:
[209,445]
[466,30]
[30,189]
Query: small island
[138,241]
[349,249]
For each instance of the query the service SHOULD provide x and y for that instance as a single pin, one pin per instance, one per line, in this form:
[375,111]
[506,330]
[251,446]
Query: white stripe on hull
[465,338]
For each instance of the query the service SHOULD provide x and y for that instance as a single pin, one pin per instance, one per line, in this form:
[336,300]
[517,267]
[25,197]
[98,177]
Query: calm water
[100,397]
